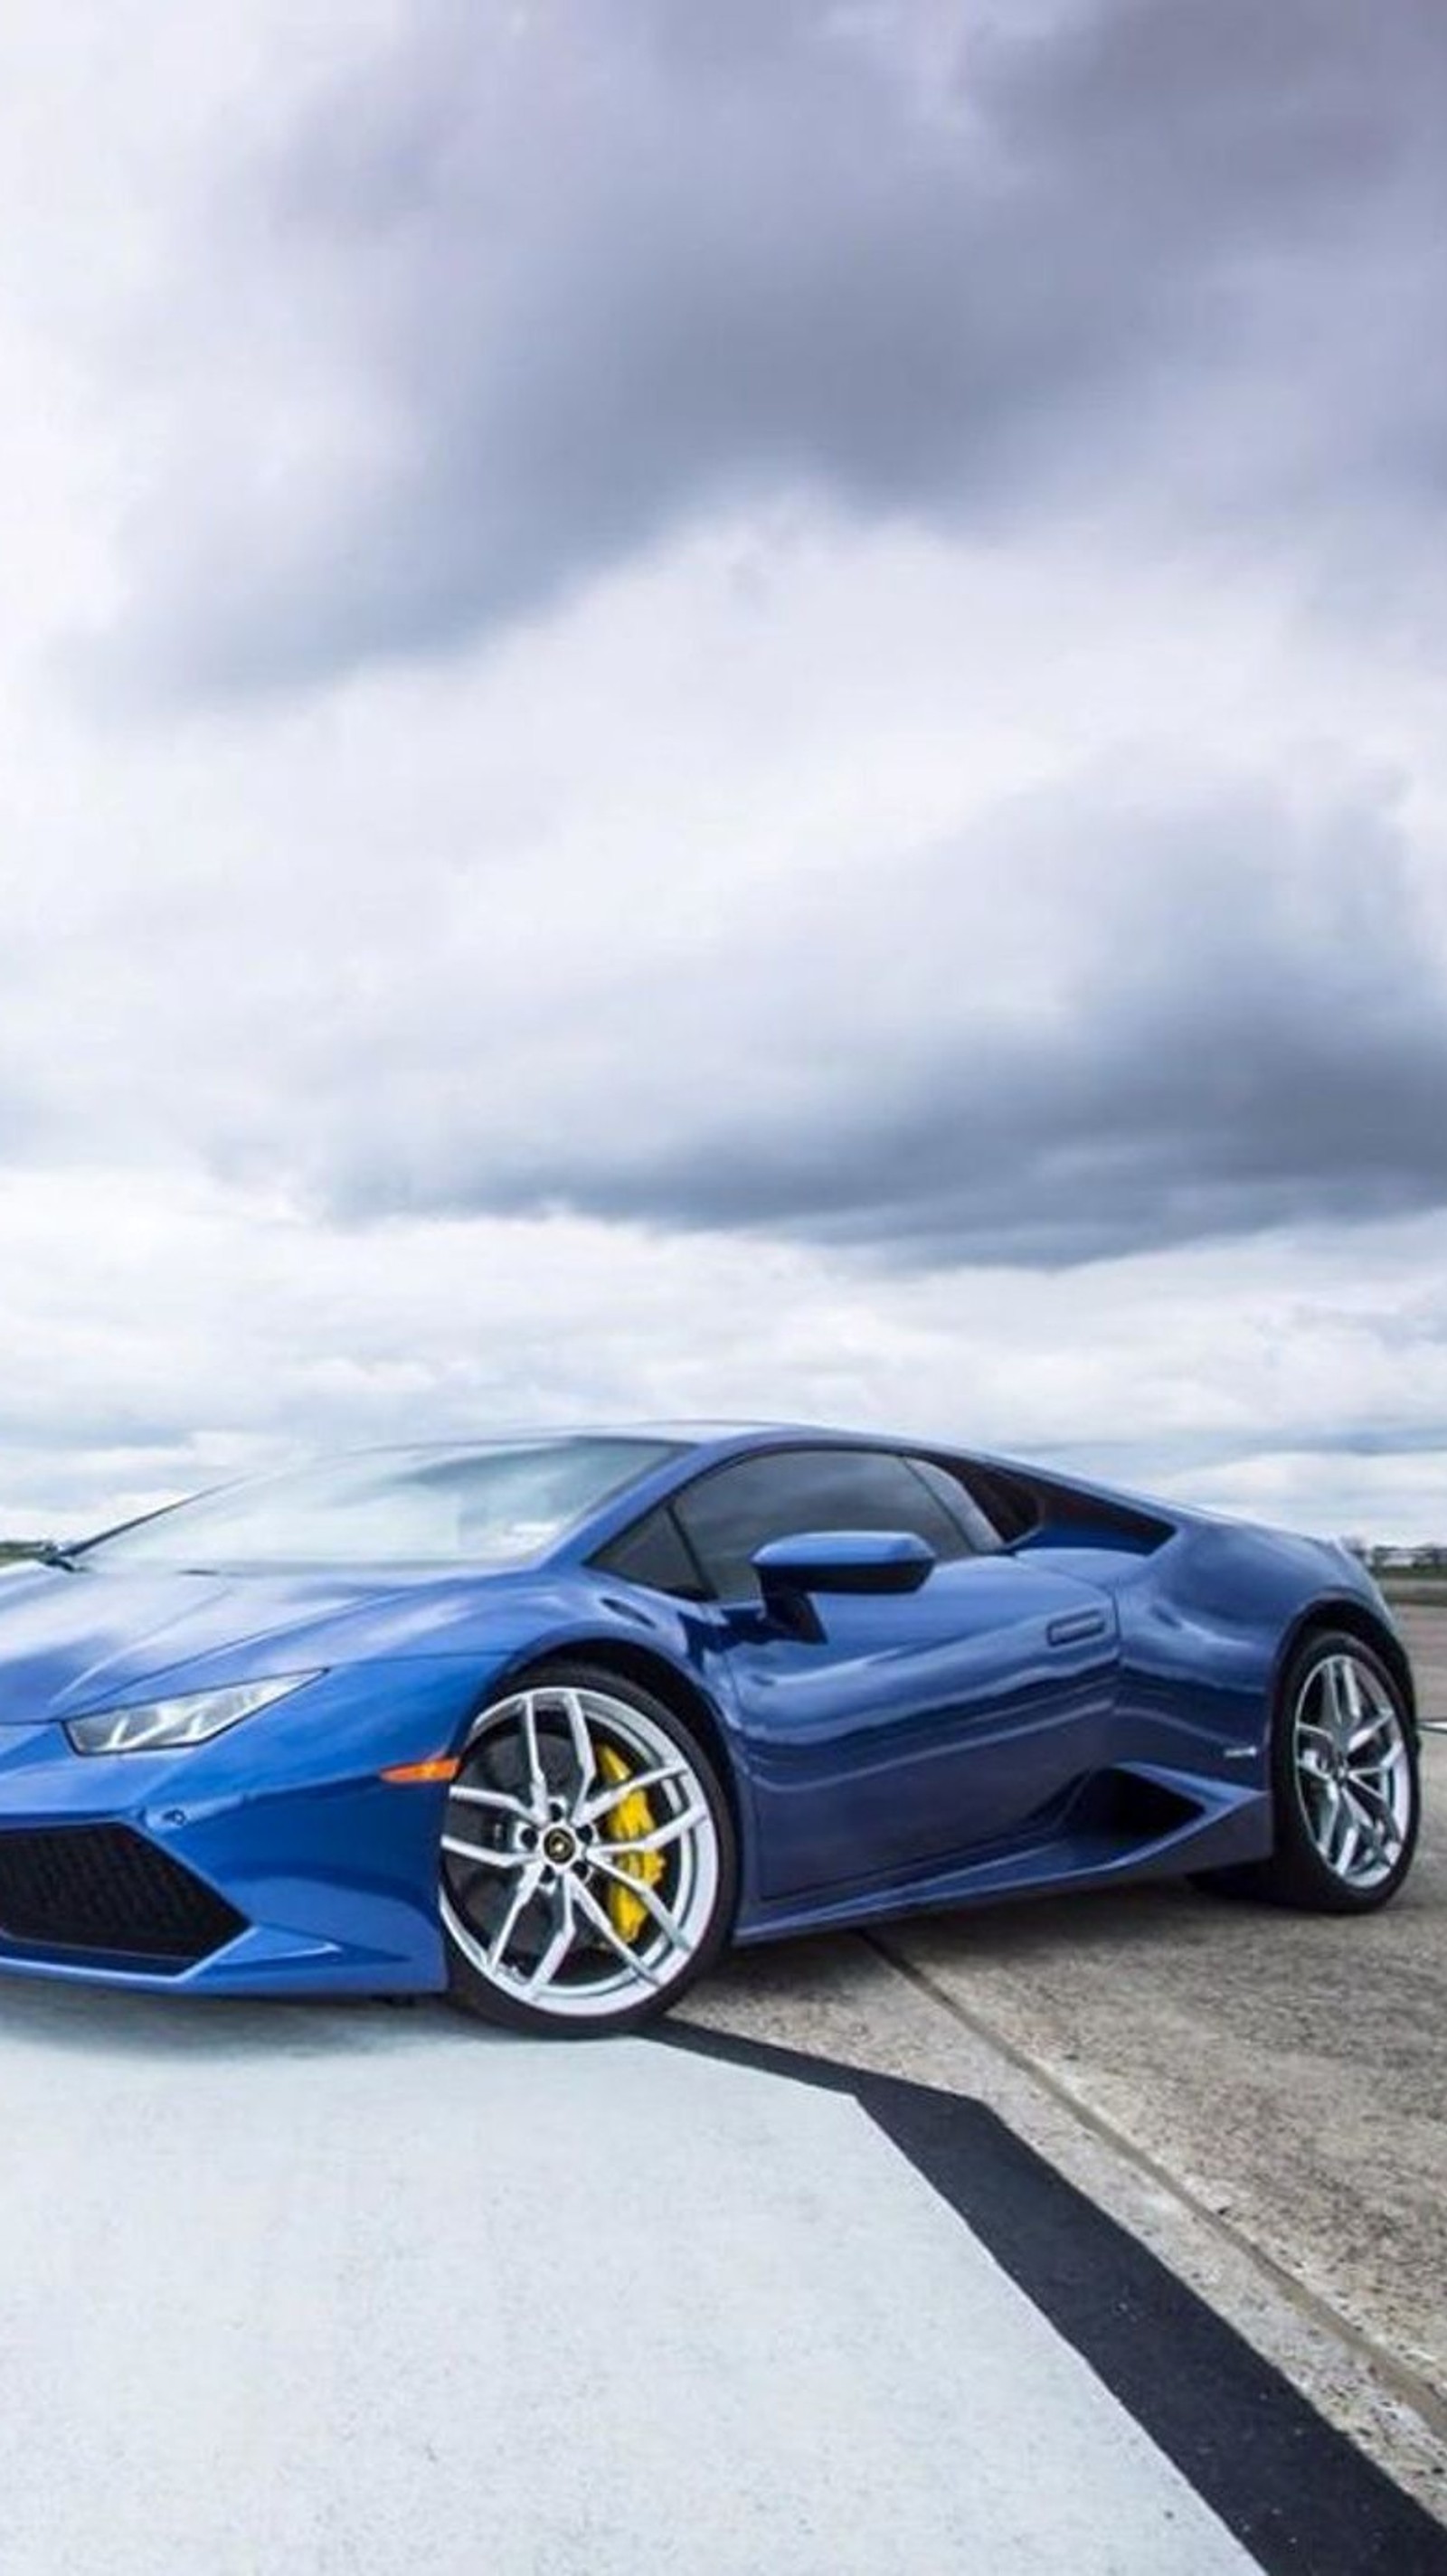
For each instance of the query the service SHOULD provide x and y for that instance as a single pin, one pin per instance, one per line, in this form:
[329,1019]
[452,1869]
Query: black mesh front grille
[105,1888]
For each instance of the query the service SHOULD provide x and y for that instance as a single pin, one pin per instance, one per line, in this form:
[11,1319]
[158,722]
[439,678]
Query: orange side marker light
[443,1766]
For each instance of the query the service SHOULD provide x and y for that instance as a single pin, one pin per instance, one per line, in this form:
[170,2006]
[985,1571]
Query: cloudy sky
[725,706]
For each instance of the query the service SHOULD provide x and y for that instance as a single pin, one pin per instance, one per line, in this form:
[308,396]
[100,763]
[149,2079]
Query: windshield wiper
[50,1552]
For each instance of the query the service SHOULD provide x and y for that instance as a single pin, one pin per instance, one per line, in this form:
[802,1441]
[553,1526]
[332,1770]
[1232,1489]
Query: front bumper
[274,1860]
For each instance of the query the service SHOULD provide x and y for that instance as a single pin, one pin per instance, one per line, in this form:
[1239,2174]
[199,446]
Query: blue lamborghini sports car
[546,1721]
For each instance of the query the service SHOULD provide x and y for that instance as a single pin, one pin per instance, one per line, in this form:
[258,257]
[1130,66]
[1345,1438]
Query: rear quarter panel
[1207,1625]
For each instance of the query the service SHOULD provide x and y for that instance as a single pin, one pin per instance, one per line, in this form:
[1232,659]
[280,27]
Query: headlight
[165,1725]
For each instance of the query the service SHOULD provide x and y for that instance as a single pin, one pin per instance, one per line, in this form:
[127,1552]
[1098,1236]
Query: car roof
[723,1435]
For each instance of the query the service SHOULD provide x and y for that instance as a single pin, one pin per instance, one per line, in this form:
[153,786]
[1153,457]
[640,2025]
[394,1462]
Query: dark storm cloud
[1242,1026]
[585,274]
[1193,1121]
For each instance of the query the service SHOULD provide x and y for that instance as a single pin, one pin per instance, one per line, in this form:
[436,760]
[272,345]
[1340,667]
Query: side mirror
[843,1561]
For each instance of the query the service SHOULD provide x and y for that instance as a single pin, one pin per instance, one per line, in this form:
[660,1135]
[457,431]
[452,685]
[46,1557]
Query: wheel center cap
[559,1846]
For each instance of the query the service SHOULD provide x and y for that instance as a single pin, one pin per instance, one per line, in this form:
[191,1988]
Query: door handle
[1077,1627]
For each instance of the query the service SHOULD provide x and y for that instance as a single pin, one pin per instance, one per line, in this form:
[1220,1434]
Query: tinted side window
[653,1553]
[961,1503]
[728,1514]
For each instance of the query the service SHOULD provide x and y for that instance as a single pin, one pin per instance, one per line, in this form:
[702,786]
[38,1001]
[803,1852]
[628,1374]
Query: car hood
[76,1640]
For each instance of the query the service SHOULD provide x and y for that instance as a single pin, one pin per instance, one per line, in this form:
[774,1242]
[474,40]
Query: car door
[903,1730]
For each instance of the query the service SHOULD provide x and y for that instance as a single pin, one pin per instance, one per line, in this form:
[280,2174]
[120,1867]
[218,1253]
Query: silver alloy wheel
[1353,1770]
[538,1879]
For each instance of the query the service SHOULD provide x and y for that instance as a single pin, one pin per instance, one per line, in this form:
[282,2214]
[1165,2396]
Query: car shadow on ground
[112,2021]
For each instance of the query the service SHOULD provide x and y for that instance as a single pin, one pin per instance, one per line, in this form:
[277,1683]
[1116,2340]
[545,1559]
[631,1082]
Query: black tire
[618,1714]
[1296,1874]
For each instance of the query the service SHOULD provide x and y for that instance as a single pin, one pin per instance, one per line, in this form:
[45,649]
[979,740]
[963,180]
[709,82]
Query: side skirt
[1216,1826]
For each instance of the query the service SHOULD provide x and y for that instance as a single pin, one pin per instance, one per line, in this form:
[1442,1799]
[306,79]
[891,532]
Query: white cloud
[163,1334]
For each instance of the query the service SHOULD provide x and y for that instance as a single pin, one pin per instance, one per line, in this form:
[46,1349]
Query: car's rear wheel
[588,1868]
[1346,1785]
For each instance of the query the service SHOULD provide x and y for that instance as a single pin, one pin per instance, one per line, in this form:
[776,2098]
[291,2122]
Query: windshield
[496,1504]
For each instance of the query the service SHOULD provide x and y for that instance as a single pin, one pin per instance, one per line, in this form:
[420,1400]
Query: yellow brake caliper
[632,1817]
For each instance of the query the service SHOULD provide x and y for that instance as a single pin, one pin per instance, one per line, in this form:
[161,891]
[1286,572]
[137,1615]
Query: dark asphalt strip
[1294,2491]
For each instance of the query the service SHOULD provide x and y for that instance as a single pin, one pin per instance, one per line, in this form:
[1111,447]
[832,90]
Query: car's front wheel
[588,1867]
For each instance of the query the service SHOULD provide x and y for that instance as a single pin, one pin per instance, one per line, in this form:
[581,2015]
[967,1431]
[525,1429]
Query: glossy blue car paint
[1093,1701]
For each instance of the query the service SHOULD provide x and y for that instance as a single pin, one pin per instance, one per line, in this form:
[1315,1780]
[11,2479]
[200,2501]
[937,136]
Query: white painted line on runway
[327,2291]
